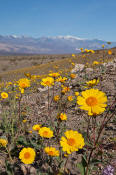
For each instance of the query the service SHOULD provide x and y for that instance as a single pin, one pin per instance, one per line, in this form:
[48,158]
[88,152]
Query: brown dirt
[37,101]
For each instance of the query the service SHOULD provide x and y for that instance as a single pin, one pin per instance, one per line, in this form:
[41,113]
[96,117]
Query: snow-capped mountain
[66,37]
[13,44]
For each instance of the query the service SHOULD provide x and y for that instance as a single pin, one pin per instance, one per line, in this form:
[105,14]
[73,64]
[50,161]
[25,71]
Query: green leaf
[81,168]
[88,144]
[9,168]
[82,165]
[84,135]
[35,145]
[22,141]
[84,161]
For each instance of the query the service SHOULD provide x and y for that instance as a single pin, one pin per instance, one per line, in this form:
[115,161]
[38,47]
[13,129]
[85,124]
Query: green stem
[20,108]
[7,149]
[48,97]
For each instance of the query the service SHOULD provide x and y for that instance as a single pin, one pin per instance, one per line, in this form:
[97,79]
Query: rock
[42,89]
[28,169]
[89,70]
[78,68]
[24,169]
[32,171]
[75,83]
[39,112]
[46,104]
[110,64]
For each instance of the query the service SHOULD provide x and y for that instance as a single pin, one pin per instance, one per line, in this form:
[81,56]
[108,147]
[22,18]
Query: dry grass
[46,63]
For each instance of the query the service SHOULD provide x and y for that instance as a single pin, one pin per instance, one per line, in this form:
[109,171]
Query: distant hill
[48,45]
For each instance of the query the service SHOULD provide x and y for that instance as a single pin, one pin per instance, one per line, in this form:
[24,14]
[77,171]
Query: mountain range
[12,44]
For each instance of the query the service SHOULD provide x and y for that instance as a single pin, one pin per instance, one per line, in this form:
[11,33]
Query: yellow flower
[95,62]
[27,155]
[46,132]
[4,95]
[81,49]
[17,96]
[48,81]
[24,83]
[3,142]
[70,98]
[92,83]
[51,151]
[73,55]
[61,79]
[24,121]
[56,98]
[28,75]
[65,89]
[36,127]
[63,116]
[56,74]
[73,63]
[73,141]
[24,113]
[30,132]
[76,93]
[10,83]
[86,50]
[66,155]
[103,45]
[37,76]
[33,77]
[22,91]
[73,76]
[109,52]
[91,51]
[93,101]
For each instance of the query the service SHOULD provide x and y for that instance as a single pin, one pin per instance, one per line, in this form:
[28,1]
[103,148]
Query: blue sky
[81,18]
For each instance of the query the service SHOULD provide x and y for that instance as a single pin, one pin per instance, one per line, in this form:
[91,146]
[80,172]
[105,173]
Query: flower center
[90,84]
[51,153]
[23,85]
[47,83]
[27,155]
[61,116]
[45,133]
[91,101]
[71,141]
[37,128]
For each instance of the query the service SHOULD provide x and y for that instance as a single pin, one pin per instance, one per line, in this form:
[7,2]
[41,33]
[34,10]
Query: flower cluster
[49,81]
